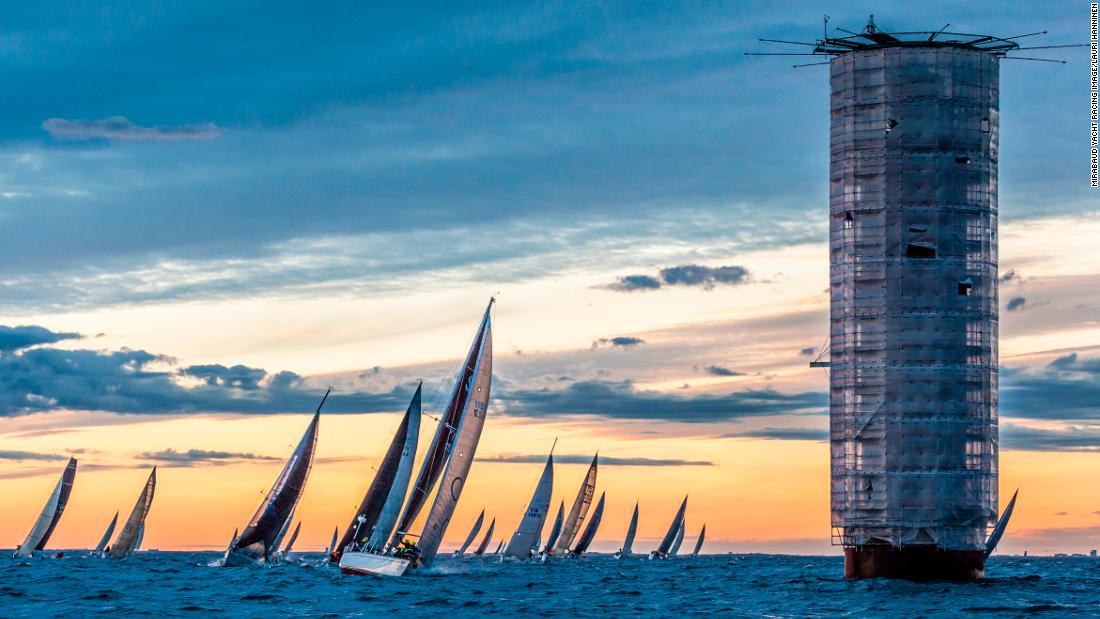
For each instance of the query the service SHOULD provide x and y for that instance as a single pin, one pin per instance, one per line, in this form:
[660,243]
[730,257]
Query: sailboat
[589,534]
[524,542]
[1002,524]
[674,529]
[577,513]
[500,545]
[447,462]
[699,542]
[256,543]
[290,543]
[473,533]
[485,540]
[672,552]
[373,522]
[51,513]
[331,545]
[631,530]
[102,545]
[128,538]
[555,531]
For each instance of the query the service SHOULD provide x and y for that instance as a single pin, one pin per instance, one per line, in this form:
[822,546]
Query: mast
[631,530]
[51,513]
[473,532]
[107,534]
[590,531]
[579,510]
[555,530]
[485,540]
[255,542]
[699,542]
[525,538]
[127,539]
[673,529]
[475,383]
[377,512]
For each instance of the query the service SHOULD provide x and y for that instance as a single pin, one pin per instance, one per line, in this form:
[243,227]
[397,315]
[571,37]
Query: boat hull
[924,563]
[369,564]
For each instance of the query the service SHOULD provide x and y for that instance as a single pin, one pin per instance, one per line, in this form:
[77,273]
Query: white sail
[579,510]
[51,513]
[107,534]
[391,509]
[699,542]
[525,539]
[461,457]
[127,539]
[672,552]
[628,544]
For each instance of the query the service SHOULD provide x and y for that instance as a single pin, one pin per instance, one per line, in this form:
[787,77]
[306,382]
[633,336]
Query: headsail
[499,546]
[474,383]
[374,519]
[672,552]
[127,539]
[590,531]
[525,538]
[699,542]
[473,532]
[255,542]
[628,544]
[1002,524]
[555,530]
[51,513]
[278,541]
[485,540]
[332,544]
[293,538]
[140,537]
[579,510]
[673,530]
[107,534]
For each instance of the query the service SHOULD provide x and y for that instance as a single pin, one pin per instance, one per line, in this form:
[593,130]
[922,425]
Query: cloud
[586,459]
[1071,438]
[783,434]
[1015,303]
[238,376]
[29,455]
[120,128]
[1067,389]
[621,400]
[1010,276]
[808,351]
[1061,513]
[718,370]
[688,275]
[16,338]
[618,342]
[196,457]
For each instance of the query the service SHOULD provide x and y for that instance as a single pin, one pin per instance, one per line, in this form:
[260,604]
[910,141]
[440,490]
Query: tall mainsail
[473,385]
[1002,524]
[255,542]
[555,529]
[51,513]
[579,510]
[673,530]
[107,534]
[373,521]
[525,539]
[628,544]
[127,539]
[699,542]
[590,531]
[473,532]
[672,552]
[485,540]
[293,538]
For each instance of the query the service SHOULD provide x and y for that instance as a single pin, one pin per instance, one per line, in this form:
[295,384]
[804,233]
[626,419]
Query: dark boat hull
[924,563]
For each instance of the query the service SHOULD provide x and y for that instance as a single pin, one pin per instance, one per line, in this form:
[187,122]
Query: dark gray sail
[140,537]
[386,489]
[555,530]
[473,532]
[332,544]
[51,513]
[525,539]
[127,539]
[1002,524]
[590,531]
[107,534]
[572,526]
[256,541]
[485,540]
[672,552]
[293,538]
[628,544]
[699,542]
[673,530]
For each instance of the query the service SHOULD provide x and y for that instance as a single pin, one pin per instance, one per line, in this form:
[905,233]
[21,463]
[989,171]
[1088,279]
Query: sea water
[177,584]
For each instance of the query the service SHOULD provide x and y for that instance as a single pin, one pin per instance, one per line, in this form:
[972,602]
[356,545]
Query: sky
[210,212]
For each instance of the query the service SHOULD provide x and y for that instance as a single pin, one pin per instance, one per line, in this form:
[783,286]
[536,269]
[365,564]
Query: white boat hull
[370,564]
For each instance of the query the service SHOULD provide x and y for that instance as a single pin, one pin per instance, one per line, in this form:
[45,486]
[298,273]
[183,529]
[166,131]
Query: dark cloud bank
[688,275]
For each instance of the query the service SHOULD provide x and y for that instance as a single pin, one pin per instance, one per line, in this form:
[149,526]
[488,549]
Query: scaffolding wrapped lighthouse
[913,283]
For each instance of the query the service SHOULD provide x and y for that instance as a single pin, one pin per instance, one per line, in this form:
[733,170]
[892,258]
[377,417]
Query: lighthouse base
[913,563]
